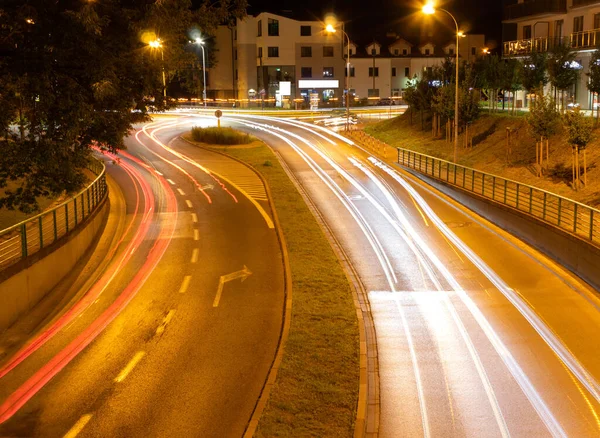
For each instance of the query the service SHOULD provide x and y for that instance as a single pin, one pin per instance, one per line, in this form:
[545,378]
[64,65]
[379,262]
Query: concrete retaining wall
[25,283]
[579,256]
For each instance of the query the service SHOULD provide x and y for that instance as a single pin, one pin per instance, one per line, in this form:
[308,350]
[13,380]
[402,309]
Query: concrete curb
[285,330]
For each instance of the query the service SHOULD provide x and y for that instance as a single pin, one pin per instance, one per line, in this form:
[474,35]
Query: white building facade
[539,25]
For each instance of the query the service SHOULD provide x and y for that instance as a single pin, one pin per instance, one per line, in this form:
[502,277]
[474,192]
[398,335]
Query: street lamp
[200,42]
[330,29]
[157,44]
[429,9]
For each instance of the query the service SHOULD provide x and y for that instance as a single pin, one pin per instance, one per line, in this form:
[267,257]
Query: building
[288,62]
[539,25]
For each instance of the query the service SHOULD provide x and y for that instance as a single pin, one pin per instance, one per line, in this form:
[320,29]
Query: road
[477,333]
[177,334]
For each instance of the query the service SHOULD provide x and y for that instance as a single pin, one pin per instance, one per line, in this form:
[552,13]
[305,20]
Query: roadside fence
[28,237]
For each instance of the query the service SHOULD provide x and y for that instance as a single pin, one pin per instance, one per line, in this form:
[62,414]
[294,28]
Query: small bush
[222,136]
[267,163]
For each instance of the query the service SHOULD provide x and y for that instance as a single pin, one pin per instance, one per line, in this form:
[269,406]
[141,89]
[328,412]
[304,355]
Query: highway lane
[479,337]
[174,360]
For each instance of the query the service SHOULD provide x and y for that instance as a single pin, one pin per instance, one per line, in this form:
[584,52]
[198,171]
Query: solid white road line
[130,366]
[78,427]
[195,254]
[194,218]
[171,182]
[185,284]
[189,203]
[181,192]
[196,235]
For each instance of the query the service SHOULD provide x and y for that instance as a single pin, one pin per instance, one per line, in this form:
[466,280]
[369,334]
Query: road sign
[218,113]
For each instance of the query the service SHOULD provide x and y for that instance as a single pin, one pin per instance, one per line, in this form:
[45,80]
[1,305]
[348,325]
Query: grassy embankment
[316,390]
[489,152]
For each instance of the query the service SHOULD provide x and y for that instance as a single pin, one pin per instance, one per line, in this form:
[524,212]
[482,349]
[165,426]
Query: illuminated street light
[200,42]
[486,51]
[29,21]
[429,9]
[331,29]
[157,44]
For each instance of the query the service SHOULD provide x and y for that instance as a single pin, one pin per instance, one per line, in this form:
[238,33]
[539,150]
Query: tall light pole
[330,29]
[429,9]
[157,44]
[200,42]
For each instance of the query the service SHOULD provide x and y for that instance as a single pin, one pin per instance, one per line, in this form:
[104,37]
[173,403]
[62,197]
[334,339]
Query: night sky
[368,19]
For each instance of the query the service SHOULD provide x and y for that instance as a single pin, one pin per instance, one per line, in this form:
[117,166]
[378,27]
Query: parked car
[386,102]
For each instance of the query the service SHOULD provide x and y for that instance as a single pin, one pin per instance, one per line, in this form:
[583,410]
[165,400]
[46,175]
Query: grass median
[316,390]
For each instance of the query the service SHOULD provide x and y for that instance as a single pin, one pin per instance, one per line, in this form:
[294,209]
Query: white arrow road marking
[243,274]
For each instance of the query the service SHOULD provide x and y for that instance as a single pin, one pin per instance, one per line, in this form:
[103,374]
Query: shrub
[222,136]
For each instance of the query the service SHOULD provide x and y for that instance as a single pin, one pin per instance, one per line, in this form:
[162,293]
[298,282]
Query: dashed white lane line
[185,284]
[78,427]
[194,218]
[195,255]
[181,192]
[158,172]
[189,203]
[161,328]
[171,182]
[196,235]
[130,366]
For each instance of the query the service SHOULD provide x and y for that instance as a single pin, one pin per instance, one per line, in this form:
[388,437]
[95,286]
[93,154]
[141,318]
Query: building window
[396,52]
[596,21]
[327,51]
[404,52]
[373,52]
[450,51]
[393,71]
[327,72]
[273,52]
[305,31]
[578,24]
[351,52]
[371,71]
[351,72]
[527,32]
[235,55]
[373,92]
[406,72]
[473,51]
[306,72]
[427,52]
[306,52]
[273,27]
[260,52]
[558,26]
[259,33]
[235,34]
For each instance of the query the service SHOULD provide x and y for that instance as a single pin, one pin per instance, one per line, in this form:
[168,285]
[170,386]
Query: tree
[580,135]
[510,78]
[563,70]
[534,73]
[594,78]
[543,120]
[79,73]
[443,105]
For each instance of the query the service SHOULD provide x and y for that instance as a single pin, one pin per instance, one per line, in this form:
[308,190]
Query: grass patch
[220,136]
[316,391]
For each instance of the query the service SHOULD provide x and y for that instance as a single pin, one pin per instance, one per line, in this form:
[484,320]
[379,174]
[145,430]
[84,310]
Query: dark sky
[369,18]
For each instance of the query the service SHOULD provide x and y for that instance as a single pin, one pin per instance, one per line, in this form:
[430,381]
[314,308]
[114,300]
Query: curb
[285,329]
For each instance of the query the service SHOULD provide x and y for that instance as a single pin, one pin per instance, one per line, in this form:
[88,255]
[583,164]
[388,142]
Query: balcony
[577,3]
[535,7]
[588,39]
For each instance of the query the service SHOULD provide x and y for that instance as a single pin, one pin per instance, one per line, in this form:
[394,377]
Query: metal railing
[33,234]
[569,215]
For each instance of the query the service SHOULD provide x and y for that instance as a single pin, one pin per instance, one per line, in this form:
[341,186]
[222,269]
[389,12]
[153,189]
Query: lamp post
[200,42]
[330,29]
[157,44]
[429,9]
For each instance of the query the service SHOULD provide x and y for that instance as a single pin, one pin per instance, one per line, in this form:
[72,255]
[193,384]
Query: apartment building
[539,25]
[290,62]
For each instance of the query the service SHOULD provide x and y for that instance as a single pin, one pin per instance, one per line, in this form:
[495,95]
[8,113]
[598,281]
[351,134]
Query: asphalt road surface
[177,335]
[478,334]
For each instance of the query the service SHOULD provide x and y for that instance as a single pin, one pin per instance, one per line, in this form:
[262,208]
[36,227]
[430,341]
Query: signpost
[218,114]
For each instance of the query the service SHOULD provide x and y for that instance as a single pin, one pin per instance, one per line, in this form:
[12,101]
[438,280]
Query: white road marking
[189,203]
[196,235]
[194,218]
[161,328]
[78,427]
[181,192]
[130,366]
[171,182]
[158,172]
[195,254]
[185,284]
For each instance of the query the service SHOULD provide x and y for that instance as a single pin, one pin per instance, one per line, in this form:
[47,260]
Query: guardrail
[564,213]
[33,234]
